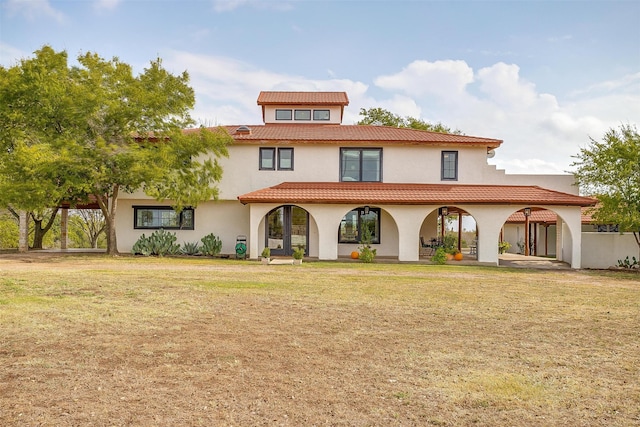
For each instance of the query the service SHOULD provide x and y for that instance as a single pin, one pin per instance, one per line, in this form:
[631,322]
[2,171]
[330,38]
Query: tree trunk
[109,212]
[39,231]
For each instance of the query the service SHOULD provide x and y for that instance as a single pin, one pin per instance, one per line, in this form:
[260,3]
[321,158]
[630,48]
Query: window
[361,164]
[450,165]
[268,159]
[321,115]
[353,223]
[155,217]
[302,115]
[285,159]
[283,114]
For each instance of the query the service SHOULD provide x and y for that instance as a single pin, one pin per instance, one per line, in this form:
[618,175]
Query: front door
[287,229]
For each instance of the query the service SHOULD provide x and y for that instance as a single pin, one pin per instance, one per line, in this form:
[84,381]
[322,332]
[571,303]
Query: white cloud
[442,78]
[34,9]
[106,4]
[230,5]
[10,56]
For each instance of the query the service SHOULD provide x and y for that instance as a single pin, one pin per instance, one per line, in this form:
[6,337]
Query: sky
[543,76]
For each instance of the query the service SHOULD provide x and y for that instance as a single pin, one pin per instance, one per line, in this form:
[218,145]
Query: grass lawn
[92,340]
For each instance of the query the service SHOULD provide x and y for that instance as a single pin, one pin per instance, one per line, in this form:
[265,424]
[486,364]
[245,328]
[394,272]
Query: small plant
[266,253]
[298,253]
[211,245]
[190,248]
[367,254]
[504,246]
[439,257]
[625,263]
[450,244]
[159,243]
[521,247]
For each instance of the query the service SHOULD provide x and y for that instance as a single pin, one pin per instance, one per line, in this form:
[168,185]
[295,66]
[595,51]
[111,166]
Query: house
[304,179]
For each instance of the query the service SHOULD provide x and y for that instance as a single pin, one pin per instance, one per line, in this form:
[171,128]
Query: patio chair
[426,249]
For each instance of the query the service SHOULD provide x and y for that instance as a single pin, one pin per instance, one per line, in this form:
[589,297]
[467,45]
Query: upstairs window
[156,217]
[321,115]
[449,165]
[283,115]
[361,164]
[269,160]
[302,115]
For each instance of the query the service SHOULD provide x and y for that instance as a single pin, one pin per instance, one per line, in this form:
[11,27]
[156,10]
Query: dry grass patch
[132,341]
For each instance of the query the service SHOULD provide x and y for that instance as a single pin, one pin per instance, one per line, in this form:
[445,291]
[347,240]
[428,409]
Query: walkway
[521,261]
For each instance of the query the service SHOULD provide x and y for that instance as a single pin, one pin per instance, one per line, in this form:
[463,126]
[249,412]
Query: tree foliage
[98,129]
[610,171]
[381,117]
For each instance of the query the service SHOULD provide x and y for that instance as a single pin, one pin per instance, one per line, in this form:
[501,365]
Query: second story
[303,139]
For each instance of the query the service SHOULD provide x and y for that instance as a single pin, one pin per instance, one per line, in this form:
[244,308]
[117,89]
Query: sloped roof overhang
[411,194]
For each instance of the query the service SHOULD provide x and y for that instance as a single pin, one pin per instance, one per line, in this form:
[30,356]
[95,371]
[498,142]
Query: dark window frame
[296,111]
[263,150]
[285,149]
[183,213]
[443,169]
[360,212]
[284,110]
[360,161]
[316,117]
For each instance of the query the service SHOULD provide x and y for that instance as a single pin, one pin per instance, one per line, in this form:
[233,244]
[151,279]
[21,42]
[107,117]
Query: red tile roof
[303,98]
[410,194]
[549,216]
[344,134]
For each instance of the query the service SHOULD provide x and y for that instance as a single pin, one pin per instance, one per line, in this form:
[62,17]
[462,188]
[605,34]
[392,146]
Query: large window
[353,225]
[361,164]
[155,217]
[268,159]
[449,165]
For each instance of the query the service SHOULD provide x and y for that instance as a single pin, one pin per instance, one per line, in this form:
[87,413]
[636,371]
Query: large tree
[610,171]
[39,125]
[381,117]
[118,132]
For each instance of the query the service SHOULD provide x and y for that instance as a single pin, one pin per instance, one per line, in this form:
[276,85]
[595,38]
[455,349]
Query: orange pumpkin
[355,255]
[458,256]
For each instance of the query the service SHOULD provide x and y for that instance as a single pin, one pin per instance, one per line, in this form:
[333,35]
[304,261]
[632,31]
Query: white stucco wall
[603,250]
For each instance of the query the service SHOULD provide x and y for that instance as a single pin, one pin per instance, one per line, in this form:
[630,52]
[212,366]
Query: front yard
[92,340]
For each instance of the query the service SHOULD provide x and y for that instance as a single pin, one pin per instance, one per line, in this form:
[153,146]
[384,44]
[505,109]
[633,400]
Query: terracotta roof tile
[410,194]
[340,134]
[303,98]
[549,216]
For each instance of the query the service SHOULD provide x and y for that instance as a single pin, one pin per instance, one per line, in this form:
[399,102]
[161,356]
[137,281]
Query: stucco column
[408,219]
[64,228]
[23,238]
[559,232]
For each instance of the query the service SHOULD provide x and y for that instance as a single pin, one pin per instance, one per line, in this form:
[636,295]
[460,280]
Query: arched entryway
[286,229]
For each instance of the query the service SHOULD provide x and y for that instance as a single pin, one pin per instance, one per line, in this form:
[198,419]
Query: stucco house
[303,179]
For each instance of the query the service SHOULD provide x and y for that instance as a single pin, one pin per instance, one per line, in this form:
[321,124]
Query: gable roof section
[303,98]
[550,217]
[410,194]
[340,134]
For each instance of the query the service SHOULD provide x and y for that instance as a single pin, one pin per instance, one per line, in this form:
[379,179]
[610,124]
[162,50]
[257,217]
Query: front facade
[303,179]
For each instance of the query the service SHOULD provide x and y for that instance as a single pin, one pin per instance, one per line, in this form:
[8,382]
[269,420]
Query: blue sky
[542,76]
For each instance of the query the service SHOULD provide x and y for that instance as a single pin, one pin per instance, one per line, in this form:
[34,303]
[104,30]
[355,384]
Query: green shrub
[266,253]
[298,253]
[211,245]
[439,257]
[190,248]
[503,247]
[159,243]
[367,254]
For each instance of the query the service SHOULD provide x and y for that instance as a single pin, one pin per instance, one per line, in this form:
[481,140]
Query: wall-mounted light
[527,211]
[366,210]
[444,211]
